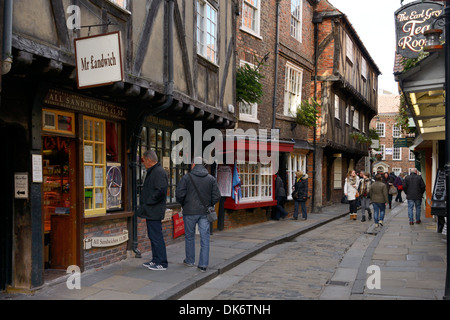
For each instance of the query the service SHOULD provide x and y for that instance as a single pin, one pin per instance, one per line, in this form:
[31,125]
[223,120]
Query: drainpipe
[169,100]
[316,21]
[277,40]
[7,37]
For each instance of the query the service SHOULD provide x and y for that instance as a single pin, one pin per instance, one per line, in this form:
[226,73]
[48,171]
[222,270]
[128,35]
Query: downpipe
[137,135]
[7,37]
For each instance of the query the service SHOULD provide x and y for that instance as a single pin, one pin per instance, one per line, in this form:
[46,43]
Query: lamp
[433,42]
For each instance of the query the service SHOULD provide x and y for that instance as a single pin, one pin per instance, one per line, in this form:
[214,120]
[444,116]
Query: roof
[327,6]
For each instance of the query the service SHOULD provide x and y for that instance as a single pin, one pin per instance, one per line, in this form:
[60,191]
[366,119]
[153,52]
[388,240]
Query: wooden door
[60,196]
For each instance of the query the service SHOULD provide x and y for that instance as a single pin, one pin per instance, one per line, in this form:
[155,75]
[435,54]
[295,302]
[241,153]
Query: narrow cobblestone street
[294,270]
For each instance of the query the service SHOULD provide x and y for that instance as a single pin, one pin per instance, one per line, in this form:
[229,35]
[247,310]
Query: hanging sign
[411,21]
[98,60]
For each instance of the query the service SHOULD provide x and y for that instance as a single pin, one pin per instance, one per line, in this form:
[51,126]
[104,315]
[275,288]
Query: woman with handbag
[351,191]
[398,183]
[300,194]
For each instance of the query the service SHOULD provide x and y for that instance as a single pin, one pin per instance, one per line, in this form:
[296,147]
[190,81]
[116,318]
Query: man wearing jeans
[194,212]
[153,208]
[414,188]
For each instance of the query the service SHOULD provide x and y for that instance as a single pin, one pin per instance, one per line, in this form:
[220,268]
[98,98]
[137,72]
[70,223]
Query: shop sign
[102,242]
[85,105]
[411,21]
[98,60]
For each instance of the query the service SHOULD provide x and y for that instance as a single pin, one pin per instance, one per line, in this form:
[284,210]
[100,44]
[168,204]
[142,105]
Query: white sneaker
[380,222]
[376,225]
[157,267]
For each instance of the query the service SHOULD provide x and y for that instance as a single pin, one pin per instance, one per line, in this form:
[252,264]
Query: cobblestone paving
[299,269]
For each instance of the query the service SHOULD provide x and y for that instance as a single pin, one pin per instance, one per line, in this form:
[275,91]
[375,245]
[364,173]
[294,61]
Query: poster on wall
[411,21]
[224,180]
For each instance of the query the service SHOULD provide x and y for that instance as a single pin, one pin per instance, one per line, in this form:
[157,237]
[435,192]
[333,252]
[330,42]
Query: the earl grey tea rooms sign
[411,21]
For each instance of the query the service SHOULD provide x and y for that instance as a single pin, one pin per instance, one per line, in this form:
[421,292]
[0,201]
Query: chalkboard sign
[438,206]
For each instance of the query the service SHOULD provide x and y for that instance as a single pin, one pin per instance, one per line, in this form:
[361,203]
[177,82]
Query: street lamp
[432,41]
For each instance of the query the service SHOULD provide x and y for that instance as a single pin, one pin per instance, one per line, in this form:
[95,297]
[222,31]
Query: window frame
[356,124]
[253,117]
[349,48]
[337,174]
[381,132]
[396,129]
[337,110]
[256,17]
[292,69]
[296,27]
[202,26]
[264,177]
[94,164]
[396,153]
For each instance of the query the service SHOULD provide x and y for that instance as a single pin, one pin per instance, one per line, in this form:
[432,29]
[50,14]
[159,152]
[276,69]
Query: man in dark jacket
[194,212]
[414,188]
[153,208]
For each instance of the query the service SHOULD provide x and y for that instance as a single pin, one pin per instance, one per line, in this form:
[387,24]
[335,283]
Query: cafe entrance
[59,202]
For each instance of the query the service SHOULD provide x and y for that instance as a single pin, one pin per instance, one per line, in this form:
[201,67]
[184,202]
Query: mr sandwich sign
[99,60]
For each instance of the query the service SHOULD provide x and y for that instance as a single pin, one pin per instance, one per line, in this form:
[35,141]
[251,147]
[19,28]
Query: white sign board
[21,185]
[225,180]
[102,242]
[98,60]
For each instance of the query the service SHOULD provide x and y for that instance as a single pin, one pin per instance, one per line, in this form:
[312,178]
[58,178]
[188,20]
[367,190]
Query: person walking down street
[398,183]
[300,194]
[414,188]
[389,179]
[153,208]
[194,212]
[363,190]
[379,195]
[280,196]
[350,190]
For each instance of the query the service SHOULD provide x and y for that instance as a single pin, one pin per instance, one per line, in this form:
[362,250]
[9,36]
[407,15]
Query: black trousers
[353,206]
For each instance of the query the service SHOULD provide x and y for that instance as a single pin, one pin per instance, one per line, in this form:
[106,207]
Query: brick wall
[405,164]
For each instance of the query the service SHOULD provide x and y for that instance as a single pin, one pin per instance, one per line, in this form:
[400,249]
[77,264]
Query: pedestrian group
[361,190]
[198,191]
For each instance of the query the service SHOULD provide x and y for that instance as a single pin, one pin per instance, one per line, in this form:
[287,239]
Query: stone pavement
[412,261]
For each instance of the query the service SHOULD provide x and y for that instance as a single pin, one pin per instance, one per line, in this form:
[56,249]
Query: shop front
[81,170]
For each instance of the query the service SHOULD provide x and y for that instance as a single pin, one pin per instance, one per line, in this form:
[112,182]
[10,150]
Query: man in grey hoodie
[194,212]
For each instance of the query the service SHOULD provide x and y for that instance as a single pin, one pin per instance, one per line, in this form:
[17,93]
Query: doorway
[59,202]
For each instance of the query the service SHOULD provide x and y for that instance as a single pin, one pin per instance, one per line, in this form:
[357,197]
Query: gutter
[7,37]
[168,103]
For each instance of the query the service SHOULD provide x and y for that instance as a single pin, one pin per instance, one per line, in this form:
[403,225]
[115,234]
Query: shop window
[159,140]
[256,182]
[94,159]
[60,122]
